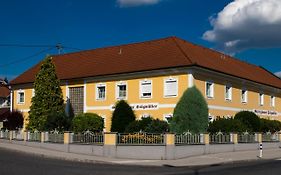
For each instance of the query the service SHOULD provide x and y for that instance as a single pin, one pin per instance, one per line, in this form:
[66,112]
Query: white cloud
[134,3]
[278,74]
[245,24]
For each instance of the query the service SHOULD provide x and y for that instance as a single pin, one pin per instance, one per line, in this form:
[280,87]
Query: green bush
[87,121]
[157,126]
[149,125]
[122,116]
[191,113]
[57,121]
[226,125]
[138,125]
[249,119]
[269,125]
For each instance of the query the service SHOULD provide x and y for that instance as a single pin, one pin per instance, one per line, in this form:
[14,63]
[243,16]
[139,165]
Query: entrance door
[76,96]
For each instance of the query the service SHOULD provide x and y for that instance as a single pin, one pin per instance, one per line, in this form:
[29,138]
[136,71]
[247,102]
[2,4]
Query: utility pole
[59,47]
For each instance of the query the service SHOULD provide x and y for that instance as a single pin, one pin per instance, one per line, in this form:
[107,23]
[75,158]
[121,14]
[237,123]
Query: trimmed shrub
[226,125]
[190,113]
[122,116]
[14,121]
[249,119]
[87,121]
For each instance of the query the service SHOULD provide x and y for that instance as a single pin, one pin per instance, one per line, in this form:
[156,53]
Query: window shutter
[171,87]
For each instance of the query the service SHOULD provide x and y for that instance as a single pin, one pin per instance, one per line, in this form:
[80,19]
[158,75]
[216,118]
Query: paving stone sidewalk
[210,159]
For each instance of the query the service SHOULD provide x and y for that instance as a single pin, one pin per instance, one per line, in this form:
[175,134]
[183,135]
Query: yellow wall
[165,105]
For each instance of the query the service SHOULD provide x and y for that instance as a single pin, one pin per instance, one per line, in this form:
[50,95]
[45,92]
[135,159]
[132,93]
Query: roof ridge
[180,48]
[116,46]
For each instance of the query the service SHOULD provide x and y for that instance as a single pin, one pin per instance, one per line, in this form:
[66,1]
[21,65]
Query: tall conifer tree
[190,113]
[48,96]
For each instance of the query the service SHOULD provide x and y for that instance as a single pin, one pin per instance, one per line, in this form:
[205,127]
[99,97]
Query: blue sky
[247,29]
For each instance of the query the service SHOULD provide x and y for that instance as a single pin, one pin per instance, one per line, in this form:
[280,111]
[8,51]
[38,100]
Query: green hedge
[87,121]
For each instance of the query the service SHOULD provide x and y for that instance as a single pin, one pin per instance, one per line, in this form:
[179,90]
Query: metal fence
[220,138]
[56,137]
[34,136]
[247,138]
[189,139]
[4,134]
[140,139]
[88,137]
[269,137]
[18,135]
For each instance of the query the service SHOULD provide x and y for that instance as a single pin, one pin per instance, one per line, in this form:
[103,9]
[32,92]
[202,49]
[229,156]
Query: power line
[25,45]
[26,58]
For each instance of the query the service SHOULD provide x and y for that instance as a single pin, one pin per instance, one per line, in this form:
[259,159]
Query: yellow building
[152,76]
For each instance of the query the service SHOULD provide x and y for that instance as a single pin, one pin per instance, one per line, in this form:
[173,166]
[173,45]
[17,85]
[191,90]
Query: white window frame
[261,99]
[97,91]
[245,100]
[33,92]
[165,84]
[229,96]
[117,92]
[212,88]
[272,101]
[18,96]
[141,89]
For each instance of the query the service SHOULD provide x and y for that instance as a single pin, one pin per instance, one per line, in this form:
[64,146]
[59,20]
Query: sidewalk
[210,159]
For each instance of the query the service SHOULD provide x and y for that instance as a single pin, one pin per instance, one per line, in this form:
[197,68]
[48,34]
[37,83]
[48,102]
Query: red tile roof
[151,55]
[4,91]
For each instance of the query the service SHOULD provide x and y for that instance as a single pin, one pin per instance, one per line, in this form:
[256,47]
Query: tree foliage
[87,121]
[149,125]
[226,125]
[122,116]
[249,119]
[14,120]
[57,121]
[48,96]
[269,125]
[190,113]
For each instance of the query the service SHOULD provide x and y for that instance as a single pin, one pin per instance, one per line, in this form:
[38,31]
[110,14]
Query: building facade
[152,76]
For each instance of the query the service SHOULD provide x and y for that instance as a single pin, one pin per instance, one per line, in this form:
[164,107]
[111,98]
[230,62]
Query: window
[244,96]
[20,97]
[272,101]
[145,89]
[228,92]
[209,89]
[121,90]
[33,92]
[261,99]
[100,91]
[171,87]
[145,116]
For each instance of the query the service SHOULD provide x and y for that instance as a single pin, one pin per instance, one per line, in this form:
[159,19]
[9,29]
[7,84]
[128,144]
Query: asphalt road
[14,163]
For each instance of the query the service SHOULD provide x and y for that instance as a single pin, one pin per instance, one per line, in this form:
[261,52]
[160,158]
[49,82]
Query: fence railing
[140,139]
[4,134]
[18,135]
[247,138]
[269,137]
[189,139]
[220,138]
[56,137]
[88,137]
[34,136]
